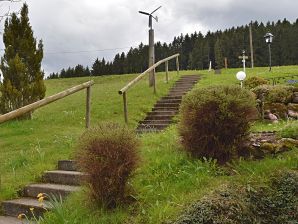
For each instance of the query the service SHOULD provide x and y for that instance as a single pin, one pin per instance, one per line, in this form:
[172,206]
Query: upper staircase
[167,107]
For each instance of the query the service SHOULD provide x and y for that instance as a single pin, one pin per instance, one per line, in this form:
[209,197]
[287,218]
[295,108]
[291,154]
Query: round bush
[216,120]
[108,153]
[280,94]
[254,81]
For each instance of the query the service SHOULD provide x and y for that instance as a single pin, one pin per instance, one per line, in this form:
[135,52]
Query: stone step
[156,122]
[63,177]
[22,205]
[33,190]
[167,105]
[159,117]
[171,97]
[161,112]
[165,109]
[152,126]
[169,101]
[68,165]
[11,220]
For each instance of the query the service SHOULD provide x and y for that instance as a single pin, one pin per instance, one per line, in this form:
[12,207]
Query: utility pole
[251,45]
[151,46]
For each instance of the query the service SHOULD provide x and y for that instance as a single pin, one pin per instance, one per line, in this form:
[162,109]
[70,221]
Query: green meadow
[167,179]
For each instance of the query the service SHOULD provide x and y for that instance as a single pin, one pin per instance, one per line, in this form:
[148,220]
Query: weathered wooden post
[88,106]
[177,64]
[167,71]
[125,107]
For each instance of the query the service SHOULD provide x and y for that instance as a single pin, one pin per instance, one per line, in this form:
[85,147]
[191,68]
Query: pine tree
[21,64]
[218,54]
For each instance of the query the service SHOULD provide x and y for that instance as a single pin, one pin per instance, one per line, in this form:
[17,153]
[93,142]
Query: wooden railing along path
[31,107]
[152,68]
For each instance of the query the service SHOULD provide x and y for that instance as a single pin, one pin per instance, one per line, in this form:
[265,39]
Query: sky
[77,32]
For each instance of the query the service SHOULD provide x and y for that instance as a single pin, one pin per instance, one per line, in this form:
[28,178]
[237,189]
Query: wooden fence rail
[133,82]
[28,108]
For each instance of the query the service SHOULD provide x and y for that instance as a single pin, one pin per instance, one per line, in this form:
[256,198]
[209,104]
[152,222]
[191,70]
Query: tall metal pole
[251,46]
[151,57]
[269,46]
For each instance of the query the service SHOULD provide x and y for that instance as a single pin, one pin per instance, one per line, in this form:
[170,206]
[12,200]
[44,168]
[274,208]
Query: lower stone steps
[59,183]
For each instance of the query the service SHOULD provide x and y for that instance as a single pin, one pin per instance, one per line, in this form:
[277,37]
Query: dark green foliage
[279,203]
[280,94]
[276,203]
[215,121]
[108,153]
[21,64]
[196,50]
[254,81]
[290,131]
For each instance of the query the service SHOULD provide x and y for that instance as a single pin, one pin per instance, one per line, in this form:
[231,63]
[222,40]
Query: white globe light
[241,75]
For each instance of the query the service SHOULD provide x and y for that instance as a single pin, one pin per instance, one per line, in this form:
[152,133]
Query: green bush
[215,121]
[262,90]
[280,94]
[108,153]
[254,81]
[275,203]
[290,131]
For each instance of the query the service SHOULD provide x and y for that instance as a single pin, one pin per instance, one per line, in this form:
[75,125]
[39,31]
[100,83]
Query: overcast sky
[77,32]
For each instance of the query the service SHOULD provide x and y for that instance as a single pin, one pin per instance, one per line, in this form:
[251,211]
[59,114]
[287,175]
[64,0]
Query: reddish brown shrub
[108,153]
[216,120]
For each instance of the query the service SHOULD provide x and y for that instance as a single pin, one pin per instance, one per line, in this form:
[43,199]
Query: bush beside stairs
[167,107]
[59,182]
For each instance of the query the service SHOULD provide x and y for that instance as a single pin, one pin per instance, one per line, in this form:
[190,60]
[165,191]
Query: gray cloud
[89,25]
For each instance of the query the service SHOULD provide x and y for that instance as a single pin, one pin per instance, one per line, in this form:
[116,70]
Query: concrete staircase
[167,107]
[59,182]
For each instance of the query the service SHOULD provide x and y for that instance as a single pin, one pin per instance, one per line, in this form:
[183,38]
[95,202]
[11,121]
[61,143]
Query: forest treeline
[197,50]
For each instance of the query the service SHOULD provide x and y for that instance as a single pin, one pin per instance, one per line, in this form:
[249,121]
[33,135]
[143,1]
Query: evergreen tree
[218,54]
[21,64]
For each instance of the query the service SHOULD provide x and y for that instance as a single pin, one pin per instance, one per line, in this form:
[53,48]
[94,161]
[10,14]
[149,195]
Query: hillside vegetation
[167,180]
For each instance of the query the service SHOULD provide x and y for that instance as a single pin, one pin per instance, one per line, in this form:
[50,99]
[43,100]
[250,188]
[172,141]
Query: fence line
[31,107]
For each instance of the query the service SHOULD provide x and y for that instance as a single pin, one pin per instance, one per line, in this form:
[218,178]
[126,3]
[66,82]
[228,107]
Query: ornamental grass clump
[108,153]
[215,121]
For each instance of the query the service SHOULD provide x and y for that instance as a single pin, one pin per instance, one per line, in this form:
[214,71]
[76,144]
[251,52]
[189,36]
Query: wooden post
[125,107]
[251,46]
[226,63]
[88,106]
[154,82]
[167,71]
[177,64]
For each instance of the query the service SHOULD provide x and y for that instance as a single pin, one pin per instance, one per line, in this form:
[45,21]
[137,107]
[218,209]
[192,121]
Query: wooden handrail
[133,82]
[33,106]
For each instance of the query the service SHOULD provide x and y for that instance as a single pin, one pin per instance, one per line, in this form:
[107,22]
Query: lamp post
[241,76]
[268,38]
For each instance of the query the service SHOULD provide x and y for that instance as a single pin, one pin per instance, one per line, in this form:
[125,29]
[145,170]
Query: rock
[293,107]
[278,109]
[270,116]
[293,114]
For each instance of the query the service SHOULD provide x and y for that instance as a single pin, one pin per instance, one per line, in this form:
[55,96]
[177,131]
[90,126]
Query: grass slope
[167,180]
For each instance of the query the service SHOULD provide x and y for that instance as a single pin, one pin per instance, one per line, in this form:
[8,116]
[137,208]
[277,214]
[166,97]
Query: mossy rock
[278,109]
[293,107]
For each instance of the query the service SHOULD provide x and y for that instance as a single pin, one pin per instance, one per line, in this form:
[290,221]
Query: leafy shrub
[276,203]
[262,90]
[108,153]
[215,120]
[254,81]
[280,94]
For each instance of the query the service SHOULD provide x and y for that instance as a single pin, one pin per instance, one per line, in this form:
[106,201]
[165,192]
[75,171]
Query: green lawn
[167,179]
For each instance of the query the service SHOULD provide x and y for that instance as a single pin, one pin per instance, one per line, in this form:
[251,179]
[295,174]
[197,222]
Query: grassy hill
[167,180]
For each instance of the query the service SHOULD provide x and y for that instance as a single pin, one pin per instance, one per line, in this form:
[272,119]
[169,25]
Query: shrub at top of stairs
[108,153]
[216,120]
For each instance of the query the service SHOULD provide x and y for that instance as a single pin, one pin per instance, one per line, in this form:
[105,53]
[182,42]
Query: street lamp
[268,38]
[241,76]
